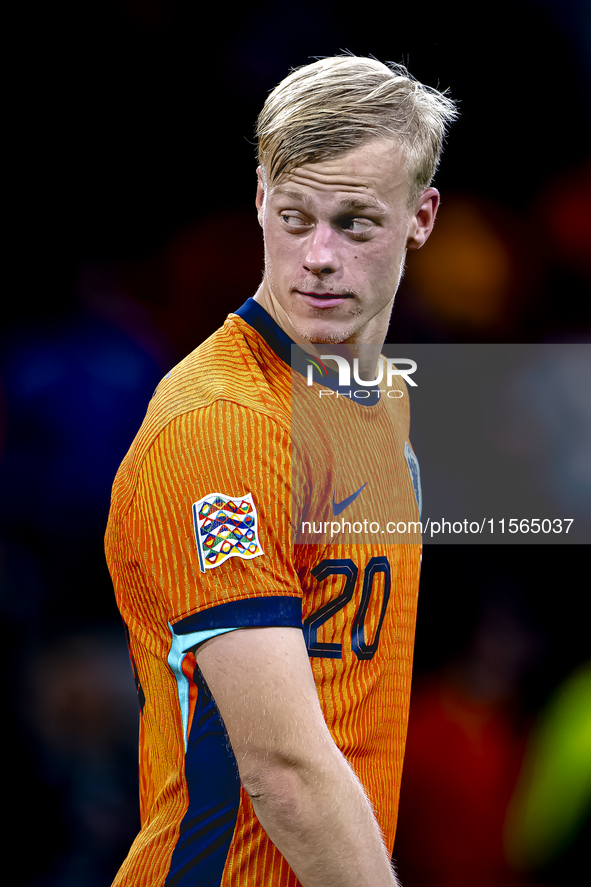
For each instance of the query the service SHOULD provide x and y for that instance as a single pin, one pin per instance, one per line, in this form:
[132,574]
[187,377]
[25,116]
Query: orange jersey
[254,496]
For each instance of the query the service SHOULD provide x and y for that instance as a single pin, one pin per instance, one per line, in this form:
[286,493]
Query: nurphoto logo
[389,363]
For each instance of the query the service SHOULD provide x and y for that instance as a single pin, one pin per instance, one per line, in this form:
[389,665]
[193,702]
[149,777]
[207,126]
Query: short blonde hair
[337,104]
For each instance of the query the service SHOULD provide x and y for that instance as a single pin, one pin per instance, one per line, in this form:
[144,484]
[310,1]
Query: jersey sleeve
[211,521]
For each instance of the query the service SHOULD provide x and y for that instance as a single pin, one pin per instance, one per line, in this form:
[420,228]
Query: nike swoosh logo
[337,507]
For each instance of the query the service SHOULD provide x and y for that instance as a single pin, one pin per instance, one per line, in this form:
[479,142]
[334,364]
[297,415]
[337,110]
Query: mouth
[324,300]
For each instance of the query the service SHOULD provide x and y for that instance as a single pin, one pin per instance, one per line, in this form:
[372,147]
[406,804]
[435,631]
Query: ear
[260,197]
[423,219]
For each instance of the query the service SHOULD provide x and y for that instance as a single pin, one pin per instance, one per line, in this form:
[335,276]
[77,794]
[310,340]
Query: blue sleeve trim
[262,612]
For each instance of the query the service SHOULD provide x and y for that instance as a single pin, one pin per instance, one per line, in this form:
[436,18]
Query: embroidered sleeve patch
[225,526]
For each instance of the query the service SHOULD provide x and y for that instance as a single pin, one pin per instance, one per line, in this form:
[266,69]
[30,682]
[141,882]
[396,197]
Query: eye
[294,221]
[359,225]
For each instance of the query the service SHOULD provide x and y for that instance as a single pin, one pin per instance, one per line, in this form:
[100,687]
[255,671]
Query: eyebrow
[346,203]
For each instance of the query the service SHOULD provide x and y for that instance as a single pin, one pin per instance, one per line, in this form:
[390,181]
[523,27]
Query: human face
[336,234]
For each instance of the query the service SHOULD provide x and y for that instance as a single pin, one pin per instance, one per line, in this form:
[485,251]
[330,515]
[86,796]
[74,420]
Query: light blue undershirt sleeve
[181,644]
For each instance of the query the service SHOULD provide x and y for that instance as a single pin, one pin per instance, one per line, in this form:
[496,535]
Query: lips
[324,295]
[323,300]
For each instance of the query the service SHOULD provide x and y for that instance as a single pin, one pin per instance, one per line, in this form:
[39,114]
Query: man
[265,748]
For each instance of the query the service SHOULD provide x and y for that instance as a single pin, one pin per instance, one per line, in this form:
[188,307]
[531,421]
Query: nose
[321,257]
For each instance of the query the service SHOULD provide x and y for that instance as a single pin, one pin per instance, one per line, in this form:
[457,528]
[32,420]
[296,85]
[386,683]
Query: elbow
[279,788]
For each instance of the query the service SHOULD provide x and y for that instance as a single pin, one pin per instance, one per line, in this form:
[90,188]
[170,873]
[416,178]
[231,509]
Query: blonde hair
[337,104]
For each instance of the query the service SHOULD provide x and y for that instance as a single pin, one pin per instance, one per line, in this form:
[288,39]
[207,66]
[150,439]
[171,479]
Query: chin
[326,339]
[320,337]
[324,333]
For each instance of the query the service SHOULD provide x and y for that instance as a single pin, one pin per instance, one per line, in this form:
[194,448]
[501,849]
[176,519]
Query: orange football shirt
[255,496]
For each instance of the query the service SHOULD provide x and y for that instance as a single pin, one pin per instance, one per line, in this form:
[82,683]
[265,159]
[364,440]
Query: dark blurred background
[129,183]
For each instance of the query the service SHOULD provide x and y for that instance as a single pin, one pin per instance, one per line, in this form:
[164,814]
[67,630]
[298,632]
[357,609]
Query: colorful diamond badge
[225,526]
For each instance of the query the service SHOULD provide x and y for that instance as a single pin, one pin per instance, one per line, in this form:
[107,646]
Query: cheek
[275,245]
[283,256]
[381,266]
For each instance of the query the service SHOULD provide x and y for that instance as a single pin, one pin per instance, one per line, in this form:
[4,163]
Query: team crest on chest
[225,526]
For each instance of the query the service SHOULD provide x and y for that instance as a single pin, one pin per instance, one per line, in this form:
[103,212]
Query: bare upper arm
[303,791]
[263,686]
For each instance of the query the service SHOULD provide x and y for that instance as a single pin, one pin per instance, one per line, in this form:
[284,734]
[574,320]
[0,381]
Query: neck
[367,354]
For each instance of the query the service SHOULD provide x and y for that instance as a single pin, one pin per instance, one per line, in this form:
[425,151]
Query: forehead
[372,175]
